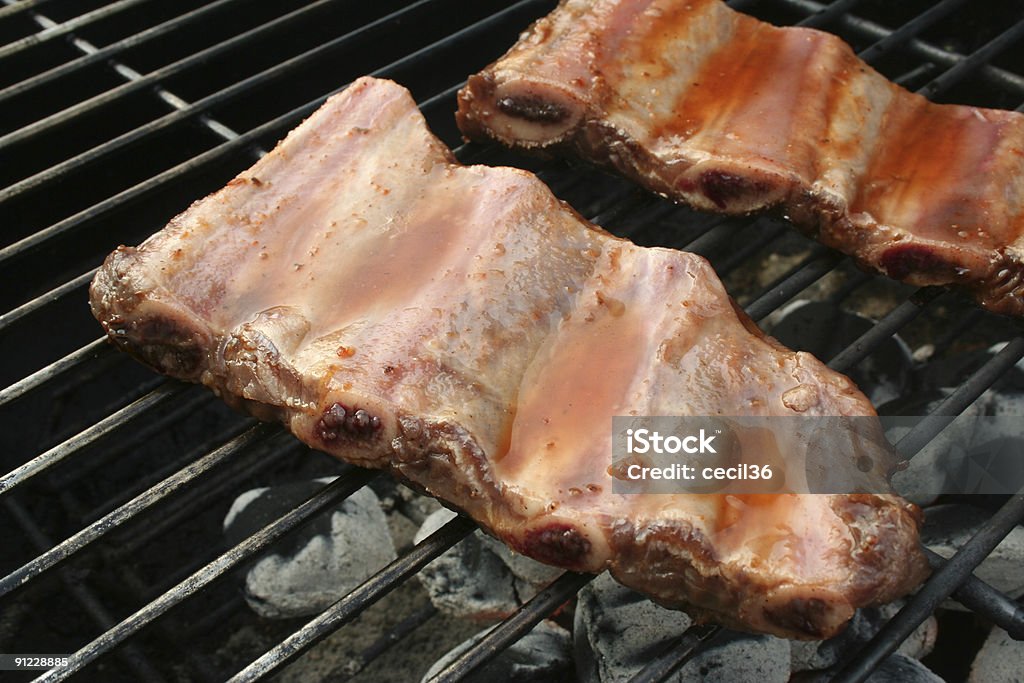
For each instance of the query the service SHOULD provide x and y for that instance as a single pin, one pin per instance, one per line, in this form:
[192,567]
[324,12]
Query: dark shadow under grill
[114,116]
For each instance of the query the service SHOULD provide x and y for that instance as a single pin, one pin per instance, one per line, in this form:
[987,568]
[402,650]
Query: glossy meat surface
[724,112]
[463,329]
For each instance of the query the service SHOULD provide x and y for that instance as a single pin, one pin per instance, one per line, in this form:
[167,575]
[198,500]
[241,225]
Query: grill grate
[116,115]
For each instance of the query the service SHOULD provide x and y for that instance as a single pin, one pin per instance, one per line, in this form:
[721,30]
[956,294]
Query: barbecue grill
[115,115]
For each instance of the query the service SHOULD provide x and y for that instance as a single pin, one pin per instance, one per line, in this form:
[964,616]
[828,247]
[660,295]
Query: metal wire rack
[115,115]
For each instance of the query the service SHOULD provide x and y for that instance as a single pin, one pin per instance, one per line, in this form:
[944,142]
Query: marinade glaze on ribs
[463,329]
[724,112]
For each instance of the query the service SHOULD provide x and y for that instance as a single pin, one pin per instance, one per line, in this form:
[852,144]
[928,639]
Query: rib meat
[463,329]
[724,112]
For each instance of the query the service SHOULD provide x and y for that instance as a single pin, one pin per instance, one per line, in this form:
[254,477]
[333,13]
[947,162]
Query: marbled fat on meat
[463,329]
[727,113]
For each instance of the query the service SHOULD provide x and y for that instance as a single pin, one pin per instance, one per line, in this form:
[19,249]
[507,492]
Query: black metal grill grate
[113,116]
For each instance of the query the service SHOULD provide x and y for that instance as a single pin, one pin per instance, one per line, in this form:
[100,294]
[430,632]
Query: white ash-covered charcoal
[948,527]
[469,579]
[617,631]
[1000,660]
[319,563]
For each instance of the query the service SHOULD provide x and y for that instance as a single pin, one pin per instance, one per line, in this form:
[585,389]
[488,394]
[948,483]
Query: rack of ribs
[466,331]
[726,113]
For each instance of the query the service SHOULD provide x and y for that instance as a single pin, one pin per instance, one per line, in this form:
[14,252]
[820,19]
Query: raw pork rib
[461,328]
[727,113]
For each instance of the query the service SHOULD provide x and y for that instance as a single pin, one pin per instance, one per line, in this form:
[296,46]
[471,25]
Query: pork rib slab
[721,111]
[463,329]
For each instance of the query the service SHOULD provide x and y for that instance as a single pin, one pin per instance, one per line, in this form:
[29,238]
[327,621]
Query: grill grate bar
[885,328]
[926,51]
[720,233]
[60,430]
[189,503]
[133,587]
[274,126]
[772,230]
[33,305]
[514,627]
[821,261]
[856,279]
[978,595]
[200,669]
[661,209]
[131,75]
[213,619]
[863,346]
[94,350]
[384,643]
[909,30]
[114,49]
[52,29]
[955,331]
[905,80]
[939,587]
[82,594]
[164,393]
[186,111]
[333,493]
[954,404]
[159,472]
[828,14]
[166,416]
[153,78]
[636,200]
[350,606]
[19,7]
[667,663]
[716,235]
[981,597]
[126,512]
[975,61]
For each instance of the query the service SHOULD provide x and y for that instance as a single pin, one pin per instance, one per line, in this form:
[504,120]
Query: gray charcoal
[947,527]
[817,655]
[314,567]
[468,580]
[543,654]
[739,657]
[976,453]
[1001,660]
[954,371]
[901,669]
[941,465]
[618,631]
[530,575]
